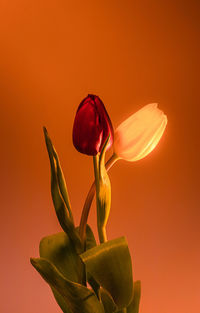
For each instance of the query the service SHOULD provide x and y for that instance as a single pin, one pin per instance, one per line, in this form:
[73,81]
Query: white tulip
[138,135]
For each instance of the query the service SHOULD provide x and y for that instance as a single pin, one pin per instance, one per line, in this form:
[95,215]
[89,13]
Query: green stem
[89,199]
[96,170]
[102,234]
[101,230]
[111,161]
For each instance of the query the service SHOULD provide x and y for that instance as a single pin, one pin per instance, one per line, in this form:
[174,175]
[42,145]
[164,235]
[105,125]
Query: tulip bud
[92,126]
[138,135]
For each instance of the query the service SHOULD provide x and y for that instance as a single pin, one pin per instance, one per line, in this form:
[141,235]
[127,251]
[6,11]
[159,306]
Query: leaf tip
[33,261]
[45,131]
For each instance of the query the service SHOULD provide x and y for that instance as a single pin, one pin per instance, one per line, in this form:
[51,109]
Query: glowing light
[138,135]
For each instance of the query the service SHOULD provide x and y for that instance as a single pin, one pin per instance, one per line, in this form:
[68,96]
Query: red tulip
[92,126]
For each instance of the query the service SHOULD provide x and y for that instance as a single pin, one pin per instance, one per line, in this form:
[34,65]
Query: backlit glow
[138,135]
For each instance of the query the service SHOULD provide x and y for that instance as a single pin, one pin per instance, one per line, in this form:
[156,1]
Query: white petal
[138,135]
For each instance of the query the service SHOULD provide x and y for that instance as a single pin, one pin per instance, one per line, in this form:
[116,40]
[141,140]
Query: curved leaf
[110,265]
[59,250]
[62,183]
[63,212]
[58,171]
[134,306]
[91,243]
[90,239]
[77,297]
[108,303]
[61,301]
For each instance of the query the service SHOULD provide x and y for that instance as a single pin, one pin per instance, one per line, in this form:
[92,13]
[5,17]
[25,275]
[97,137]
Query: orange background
[130,53]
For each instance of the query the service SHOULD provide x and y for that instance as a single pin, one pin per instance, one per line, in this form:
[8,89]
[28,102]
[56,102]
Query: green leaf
[60,251]
[91,243]
[108,303]
[62,183]
[77,297]
[63,212]
[134,306]
[90,239]
[61,301]
[110,265]
[58,171]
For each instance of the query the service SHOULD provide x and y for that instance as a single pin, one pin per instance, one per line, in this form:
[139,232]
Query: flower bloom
[92,126]
[138,135]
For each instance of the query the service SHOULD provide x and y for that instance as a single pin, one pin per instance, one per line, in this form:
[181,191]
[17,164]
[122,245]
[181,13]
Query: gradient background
[130,53]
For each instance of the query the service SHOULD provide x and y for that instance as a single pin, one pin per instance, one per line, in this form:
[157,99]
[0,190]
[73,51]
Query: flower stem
[89,199]
[96,169]
[101,231]
[111,161]
[102,234]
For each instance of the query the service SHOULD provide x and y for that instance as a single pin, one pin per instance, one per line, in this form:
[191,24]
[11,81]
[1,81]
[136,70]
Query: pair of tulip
[72,259]
[133,139]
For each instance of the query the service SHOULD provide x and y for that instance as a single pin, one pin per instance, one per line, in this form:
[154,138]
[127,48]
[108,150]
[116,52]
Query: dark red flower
[92,126]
